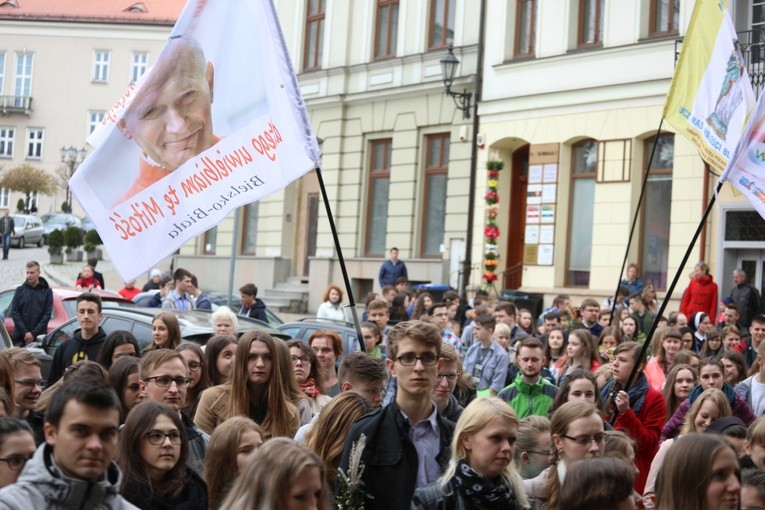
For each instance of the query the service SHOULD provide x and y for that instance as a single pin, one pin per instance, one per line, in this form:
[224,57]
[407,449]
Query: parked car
[59,221]
[195,326]
[87,224]
[302,329]
[27,229]
[64,305]
[217,300]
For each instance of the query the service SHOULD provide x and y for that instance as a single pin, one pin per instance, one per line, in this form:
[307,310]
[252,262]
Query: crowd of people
[453,406]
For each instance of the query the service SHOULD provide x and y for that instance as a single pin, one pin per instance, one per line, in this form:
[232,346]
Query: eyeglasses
[16,462]
[164,381]
[157,437]
[194,365]
[428,359]
[449,377]
[302,359]
[540,452]
[587,440]
[31,383]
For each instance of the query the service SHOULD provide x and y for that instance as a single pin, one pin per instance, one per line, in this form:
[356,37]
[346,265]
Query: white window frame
[5,198]
[94,119]
[34,143]
[7,135]
[101,59]
[23,82]
[139,63]
[2,72]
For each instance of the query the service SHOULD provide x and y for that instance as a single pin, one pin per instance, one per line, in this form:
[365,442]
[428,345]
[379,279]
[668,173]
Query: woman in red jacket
[641,409]
[701,294]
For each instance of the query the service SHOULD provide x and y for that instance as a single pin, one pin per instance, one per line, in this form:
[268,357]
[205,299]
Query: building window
[34,143]
[434,205]
[6,142]
[665,15]
[654,251]
[591,22]
[209,241]
[583,170]
[386,28]
[250,229]
[101,65]
[94,119]
[441,24]
[525,16]
[138,65]
[2,72]
[314,35]
[377,200]
[23,86]
[5,198]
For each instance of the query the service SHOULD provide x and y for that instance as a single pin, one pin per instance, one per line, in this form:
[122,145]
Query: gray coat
[42,485]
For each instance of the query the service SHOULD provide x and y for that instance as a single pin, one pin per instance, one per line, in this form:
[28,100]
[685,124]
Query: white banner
[218,122]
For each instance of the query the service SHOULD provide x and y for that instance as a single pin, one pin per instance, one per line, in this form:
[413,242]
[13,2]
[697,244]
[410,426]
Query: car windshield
[54,218]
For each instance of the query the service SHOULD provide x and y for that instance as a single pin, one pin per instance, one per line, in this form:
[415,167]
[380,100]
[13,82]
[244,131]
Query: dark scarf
[484,493]
[309,388]
[637,392]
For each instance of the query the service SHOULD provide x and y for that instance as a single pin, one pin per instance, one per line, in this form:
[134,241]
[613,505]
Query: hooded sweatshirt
[73,350]
[43,485]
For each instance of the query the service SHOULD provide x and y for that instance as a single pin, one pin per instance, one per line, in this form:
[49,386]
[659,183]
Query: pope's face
[170,118]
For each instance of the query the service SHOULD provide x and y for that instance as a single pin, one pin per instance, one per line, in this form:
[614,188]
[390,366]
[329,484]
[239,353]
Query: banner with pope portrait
[216,123]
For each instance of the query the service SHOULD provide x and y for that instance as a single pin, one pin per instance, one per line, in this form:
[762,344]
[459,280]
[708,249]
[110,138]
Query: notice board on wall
[541,204]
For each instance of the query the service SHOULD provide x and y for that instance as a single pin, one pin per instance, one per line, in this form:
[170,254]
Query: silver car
[27,229]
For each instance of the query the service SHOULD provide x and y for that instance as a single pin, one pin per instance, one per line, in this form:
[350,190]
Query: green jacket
[529,399]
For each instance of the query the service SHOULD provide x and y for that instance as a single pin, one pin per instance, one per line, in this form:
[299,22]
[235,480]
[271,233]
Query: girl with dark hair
[116,345]
[579,384]
[372,339]
[123,379]
[713,347]
[735,370]
[581,351]
[153,451]
[397,310]
[599,483]
[424,301]
[194,357]
[307,374]
[220,353]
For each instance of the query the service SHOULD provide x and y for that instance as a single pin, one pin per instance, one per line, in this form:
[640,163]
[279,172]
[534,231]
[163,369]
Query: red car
[64,305]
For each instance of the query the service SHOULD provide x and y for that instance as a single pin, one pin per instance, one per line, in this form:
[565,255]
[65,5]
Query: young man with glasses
[407,441]
[86,342]
[164,377]
[443,393]
[27,388]
[530,393]
[74,469]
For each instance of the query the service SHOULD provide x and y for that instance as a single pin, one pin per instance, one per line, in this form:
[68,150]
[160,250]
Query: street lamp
[72,157]
[449,65]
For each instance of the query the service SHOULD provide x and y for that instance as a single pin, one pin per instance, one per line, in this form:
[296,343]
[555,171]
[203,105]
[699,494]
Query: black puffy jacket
[31,310]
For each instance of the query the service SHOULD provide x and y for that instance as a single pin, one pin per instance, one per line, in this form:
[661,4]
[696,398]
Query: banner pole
[634,220]
[670,290]
[343,269]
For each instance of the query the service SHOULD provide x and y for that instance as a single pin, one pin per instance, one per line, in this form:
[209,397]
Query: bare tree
[28,179]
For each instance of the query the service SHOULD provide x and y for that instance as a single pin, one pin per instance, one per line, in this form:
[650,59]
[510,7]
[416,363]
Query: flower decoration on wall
[491,231]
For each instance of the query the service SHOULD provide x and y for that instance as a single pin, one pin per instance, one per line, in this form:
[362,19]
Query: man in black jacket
[407,441]
[31,307]
[86,342]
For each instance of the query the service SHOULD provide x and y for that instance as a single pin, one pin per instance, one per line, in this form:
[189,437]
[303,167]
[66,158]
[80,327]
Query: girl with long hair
[580,352]
[195,358]
[165,331]
[220,353]
[579,384]
[658,366]
[123,379]
[630,332]
[153,450]
[398,308]
[281,474]
[680,381]
[231,445]
[599,483]
[555,350]
[481,472]
[713,346]
[327,436]
[262,386]
[577,433]
[609,338]
[332,304]
[735,370]
[424,301]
